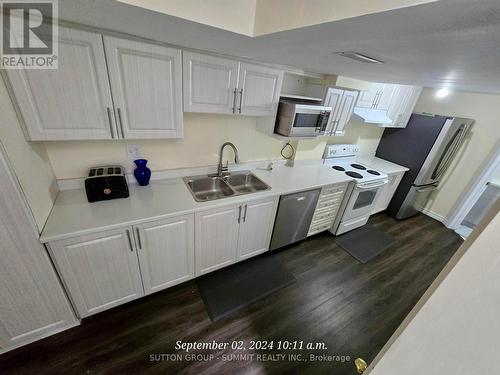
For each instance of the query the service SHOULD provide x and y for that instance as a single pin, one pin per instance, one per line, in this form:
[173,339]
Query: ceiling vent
[359,57]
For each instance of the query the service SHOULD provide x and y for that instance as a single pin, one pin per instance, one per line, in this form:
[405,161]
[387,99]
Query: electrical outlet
[134,152]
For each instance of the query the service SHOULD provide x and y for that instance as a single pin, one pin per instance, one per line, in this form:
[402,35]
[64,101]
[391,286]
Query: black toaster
[105,183]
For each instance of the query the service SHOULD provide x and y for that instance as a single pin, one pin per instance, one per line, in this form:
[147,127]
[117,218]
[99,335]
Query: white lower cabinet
[327,208]
[100,270]
[166,252]
[216,235]
[256,227]
[387,192]
[107,269]
[232,233]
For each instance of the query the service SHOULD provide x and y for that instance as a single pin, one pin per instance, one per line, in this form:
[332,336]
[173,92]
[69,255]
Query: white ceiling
[454,43]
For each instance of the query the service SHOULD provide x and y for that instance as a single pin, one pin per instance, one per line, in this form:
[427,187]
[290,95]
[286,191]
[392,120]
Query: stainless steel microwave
[298,119]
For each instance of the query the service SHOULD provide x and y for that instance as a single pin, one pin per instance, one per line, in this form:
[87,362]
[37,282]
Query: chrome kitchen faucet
[220,168]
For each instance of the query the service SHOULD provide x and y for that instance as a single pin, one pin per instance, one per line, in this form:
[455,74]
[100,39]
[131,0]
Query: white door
[344,114]
[216,238]
[146,82]
[260,88]
[166,252]
[100,270]
[210,83]
[73,101]
[256,227]
[333,99]
[33,303]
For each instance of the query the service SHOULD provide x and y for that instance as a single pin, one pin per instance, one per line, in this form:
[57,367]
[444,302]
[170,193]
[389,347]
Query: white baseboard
[435,216]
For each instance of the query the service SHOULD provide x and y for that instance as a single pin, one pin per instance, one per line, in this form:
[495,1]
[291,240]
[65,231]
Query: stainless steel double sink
[207,188]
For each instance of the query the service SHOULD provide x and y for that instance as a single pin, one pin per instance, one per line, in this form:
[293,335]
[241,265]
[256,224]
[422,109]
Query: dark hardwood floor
[351,307]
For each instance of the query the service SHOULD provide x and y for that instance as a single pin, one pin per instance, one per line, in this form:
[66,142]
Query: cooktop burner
[353,174]
[358,166]
[338,168]
[373,172]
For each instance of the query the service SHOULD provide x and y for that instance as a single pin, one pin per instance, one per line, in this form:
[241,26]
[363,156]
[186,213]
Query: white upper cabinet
[401,109]
[100,270]
[367,98]
[378,97]
[259,90]
[388,105]
[210,83]
[76,100]
[146,83]
[218,85]
[386,95]
[166,252]
[73,101]
[342,102]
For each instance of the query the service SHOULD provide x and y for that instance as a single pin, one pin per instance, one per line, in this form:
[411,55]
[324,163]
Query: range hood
[373,116]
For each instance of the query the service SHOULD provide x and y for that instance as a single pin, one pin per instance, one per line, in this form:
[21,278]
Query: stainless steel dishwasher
[295,212]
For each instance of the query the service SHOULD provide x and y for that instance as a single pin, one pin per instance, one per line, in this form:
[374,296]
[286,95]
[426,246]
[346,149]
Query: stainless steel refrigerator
[427,146]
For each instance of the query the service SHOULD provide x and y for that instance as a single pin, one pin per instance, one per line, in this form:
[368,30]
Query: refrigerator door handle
[449,152]
[424,189]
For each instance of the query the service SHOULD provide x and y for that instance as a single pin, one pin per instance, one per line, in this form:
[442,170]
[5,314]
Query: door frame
[474,190]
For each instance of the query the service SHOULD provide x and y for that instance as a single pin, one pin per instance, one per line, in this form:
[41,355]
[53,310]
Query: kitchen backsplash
[204,134]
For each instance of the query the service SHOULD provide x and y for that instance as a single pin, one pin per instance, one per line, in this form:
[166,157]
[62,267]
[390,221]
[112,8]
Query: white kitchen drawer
[326,204]
[330,196]
[319,228]
[327,222]
[333,189]
[346,226]
[324,215]
[323,210]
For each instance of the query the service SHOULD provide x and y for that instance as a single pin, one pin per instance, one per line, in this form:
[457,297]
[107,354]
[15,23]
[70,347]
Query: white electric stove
[369,185]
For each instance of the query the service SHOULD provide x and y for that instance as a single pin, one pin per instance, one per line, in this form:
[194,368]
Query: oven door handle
[371,186]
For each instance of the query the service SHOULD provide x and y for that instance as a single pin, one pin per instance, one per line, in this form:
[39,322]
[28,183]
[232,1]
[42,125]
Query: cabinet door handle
[241,99]
[138,238]
[129,240]
[235,93]
[239,215]
[245,214]
[121,122]
[110,123]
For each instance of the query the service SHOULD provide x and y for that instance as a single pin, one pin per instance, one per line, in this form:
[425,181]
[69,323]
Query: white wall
[365,136]
[30,161]
[233,15]
[484,109]
[278,15]
[456,331]
[258,17]
[203,136]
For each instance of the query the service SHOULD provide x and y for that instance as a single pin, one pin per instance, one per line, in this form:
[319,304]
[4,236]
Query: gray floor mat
[365,243]
[235,287]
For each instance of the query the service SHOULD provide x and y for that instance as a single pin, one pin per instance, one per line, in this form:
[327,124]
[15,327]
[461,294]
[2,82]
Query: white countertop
[382,165]
[73,215]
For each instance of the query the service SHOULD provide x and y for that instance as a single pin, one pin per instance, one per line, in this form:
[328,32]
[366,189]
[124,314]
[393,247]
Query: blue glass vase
[142,173]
